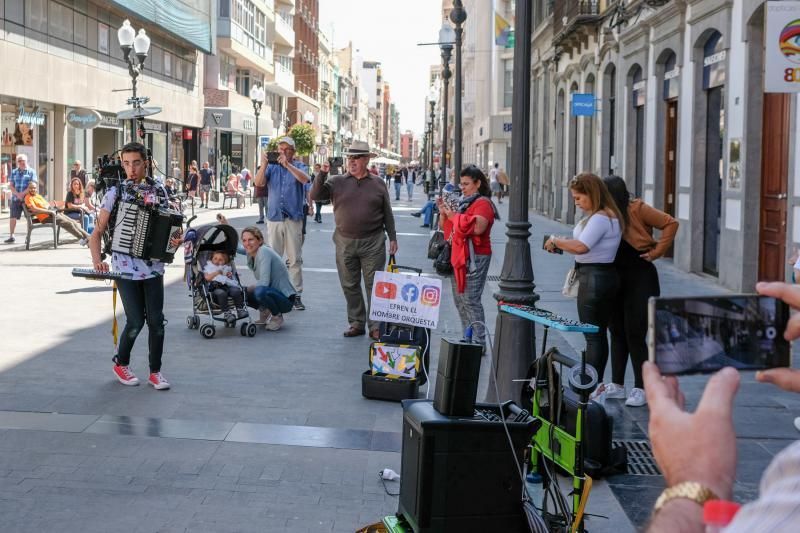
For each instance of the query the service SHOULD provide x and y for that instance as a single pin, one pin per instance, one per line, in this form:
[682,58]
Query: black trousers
[598,286]
[638,282]
[143,300]
[220,293]
[318,212]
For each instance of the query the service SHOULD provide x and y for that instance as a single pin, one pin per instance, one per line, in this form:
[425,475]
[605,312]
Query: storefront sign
[782,48]
[84,119]
[506,127]
[31,118]
[155,127]
[187,134]
[249,124]
[110,121]
[583,105]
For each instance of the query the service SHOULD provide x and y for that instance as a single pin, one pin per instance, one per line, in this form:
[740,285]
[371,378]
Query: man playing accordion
[143,293]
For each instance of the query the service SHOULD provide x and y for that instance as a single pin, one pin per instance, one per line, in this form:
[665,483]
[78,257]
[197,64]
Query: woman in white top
[595,241]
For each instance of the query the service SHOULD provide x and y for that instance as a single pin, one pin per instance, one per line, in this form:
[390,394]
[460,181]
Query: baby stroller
[199,244]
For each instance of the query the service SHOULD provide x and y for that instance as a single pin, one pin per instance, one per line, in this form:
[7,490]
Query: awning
[384,161]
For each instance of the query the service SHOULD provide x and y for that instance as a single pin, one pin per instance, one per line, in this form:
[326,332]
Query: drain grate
[492,278]
[640,457]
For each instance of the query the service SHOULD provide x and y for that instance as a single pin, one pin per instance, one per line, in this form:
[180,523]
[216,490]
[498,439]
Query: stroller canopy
[213,238]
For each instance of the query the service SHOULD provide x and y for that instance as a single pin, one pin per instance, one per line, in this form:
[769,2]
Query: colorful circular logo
[790,41]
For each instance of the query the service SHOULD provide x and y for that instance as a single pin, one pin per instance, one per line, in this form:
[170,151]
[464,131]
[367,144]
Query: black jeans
[220,294]
[598,286]
[143,300]
[318,212]
[628,326]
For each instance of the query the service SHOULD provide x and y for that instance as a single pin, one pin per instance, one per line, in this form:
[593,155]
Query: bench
[34,223]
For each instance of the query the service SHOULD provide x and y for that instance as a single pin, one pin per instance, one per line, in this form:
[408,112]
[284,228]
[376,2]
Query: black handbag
[436,244]
[442,263]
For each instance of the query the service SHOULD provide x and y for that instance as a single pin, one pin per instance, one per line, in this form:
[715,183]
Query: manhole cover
[640,457]
[493,278]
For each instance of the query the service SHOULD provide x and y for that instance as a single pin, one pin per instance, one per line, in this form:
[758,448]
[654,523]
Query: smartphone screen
[704,334]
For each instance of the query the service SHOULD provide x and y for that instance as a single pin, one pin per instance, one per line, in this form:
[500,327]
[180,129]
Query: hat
[359,148]
[287,140]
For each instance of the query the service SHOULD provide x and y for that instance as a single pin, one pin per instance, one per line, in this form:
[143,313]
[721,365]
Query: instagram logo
[430,295]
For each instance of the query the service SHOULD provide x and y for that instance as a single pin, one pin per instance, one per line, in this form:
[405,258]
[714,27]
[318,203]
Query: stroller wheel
[208,331]
[243,330]
[195,322]
[190,322]
[251,330]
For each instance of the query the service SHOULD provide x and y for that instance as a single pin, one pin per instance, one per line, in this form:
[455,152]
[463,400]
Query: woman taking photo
[273,293]
[638,282]
[594,244]
[470,226]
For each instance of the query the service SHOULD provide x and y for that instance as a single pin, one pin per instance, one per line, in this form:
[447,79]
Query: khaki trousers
[354,258]
[286,237]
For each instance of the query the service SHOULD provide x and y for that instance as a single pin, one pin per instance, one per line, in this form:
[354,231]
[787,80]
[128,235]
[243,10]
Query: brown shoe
[375,335]
[353,332]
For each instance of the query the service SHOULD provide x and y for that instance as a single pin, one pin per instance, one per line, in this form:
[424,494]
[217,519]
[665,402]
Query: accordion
[145,232]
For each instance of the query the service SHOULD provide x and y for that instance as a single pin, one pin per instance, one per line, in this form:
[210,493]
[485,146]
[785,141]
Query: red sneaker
[158,382]
[125,375]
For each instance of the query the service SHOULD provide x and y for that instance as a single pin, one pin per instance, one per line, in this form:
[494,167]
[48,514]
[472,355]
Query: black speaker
[457,377]
[458,473]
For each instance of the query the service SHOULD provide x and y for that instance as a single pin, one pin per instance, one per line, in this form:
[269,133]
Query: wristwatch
[690,490]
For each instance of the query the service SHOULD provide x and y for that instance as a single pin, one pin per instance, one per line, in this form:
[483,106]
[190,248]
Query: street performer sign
[406,299]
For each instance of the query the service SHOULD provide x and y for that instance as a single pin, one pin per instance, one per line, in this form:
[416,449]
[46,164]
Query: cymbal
[138,112]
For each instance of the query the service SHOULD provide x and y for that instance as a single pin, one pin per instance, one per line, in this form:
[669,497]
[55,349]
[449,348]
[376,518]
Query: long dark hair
[619,192]
[475,174]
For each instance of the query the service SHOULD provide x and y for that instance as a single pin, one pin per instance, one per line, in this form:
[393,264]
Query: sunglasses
[354,157]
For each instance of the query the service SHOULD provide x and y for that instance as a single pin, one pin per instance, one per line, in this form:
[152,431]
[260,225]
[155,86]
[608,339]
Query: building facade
[681,114]
[42,41]
[305,65]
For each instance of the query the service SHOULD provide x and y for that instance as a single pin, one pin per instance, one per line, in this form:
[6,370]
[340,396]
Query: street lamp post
[257,97]
[140,44]
[446,38]
[515,337]
[457,16]
[432,102]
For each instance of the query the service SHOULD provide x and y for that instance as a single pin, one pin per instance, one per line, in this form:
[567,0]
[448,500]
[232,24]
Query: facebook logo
[410,293]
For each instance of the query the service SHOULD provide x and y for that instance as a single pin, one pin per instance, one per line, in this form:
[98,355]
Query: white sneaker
[797,423]
[263,318]
[615,392]
[636,398]
[274,323]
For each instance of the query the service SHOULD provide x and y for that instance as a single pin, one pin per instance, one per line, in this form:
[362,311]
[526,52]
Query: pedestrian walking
[497,188]
[594,244]
[207,183]
[470,227]
[411,180]
[325,169]
[142,294]
[398,183]
[638,279]
[18,184]
[286,196]
[363,215]
[273,293]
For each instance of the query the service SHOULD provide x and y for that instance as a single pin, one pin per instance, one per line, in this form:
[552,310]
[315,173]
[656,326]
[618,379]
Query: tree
[304,137]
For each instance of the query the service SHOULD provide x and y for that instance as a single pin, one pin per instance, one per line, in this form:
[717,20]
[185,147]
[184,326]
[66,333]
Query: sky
[388,31]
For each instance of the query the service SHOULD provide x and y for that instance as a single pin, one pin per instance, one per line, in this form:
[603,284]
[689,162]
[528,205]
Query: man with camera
[697,451]
[362,211]
[285,178]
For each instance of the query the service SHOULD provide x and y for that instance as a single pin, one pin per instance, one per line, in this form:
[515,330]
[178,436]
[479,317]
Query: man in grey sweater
[363,215]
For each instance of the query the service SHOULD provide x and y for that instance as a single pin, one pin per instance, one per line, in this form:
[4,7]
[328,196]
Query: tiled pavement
[262,434]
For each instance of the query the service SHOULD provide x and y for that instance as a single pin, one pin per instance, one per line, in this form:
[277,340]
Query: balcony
[284,28]
[282,82]
[574,20]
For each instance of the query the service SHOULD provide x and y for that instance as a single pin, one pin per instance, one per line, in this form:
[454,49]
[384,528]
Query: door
[670,163]
[774,184]
[712,222]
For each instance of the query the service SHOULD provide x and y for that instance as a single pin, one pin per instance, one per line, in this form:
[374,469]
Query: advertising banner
[406,299]
[782,48]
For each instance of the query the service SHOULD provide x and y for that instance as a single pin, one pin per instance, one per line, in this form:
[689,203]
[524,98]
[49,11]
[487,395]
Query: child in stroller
[222,285]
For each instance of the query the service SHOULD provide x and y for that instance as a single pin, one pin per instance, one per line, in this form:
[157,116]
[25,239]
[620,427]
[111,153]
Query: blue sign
[263,141]
[583,105]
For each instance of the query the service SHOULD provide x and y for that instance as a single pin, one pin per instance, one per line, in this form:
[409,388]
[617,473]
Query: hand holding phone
[553,249]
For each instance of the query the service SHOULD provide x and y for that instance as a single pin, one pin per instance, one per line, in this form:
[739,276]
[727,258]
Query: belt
[578,266]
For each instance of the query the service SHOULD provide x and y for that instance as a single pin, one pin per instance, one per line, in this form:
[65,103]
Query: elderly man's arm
[388,222]
[297,172]
[320,189]
[260,179]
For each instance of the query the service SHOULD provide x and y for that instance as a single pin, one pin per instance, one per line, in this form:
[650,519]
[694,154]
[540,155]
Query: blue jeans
[410,189]
[397,190]
[427,212]
[260,297]
[262,208]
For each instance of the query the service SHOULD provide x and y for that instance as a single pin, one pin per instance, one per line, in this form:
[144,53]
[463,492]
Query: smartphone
[555,250]
[272,158]
[703,334]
